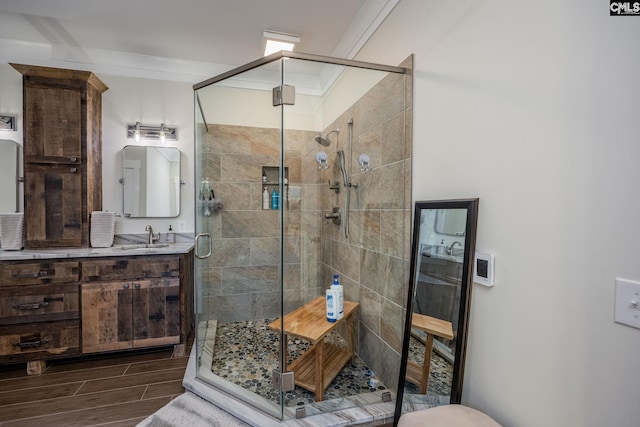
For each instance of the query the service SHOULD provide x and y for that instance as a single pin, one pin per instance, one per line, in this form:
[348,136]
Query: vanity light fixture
[162,133]
[8,122]
[275,42]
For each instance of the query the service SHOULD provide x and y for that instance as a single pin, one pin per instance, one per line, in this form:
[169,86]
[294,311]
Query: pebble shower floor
[246,352]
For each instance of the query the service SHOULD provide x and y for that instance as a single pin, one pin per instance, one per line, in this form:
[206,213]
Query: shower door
[239,263]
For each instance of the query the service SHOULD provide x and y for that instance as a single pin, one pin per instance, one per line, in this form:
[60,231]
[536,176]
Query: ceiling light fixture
[275,42]
[163,133]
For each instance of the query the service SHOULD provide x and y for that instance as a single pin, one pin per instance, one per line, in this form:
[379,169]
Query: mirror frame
[471,205]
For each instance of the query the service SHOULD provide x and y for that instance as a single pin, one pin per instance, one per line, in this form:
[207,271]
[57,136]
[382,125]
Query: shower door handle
[197,241]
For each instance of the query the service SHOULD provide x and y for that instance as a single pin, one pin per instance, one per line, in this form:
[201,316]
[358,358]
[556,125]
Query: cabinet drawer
[39,273]
[39,303]
[130,268]
[41,340]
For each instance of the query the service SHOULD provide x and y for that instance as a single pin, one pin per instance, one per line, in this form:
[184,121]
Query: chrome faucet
[450,249]
[152,238]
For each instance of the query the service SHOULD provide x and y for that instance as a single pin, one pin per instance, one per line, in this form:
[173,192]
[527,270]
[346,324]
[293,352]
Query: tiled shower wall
[240,281]
[241,278]
[373,260]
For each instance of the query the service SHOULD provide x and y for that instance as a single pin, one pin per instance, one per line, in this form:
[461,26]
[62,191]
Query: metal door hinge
[284,95]
[282,381]
[301,412]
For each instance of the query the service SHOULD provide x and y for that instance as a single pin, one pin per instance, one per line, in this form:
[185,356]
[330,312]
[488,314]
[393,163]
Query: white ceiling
[183,40]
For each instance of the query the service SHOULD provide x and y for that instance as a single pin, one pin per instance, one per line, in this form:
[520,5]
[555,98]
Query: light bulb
[163,136]
[136,133]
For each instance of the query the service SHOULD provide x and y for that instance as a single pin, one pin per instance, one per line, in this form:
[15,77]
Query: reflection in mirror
[433,351]
[9,161]
[151,179]
[450,221]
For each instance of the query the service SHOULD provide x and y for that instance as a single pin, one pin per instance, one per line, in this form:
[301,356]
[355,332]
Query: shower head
[323,139]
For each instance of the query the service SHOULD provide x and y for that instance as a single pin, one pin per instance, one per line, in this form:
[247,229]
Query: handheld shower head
[323,139]
[342,167]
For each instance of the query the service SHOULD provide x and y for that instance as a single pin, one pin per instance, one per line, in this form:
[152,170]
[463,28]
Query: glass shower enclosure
[303,171]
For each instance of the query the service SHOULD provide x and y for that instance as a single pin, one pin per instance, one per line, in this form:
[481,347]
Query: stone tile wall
[373,260]
[241,278]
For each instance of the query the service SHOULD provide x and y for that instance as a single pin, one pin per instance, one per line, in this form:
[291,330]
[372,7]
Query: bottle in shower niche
[332,309]
[338,290]
[266,199]
[275,199]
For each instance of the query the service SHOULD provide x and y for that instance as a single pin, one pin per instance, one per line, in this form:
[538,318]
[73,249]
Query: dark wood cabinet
[62,154]
[39,311]
[135,302]
[68,307]
[130,314]
[54,214]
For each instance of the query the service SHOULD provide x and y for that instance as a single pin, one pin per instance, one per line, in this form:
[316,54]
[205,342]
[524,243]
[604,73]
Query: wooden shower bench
[318,366]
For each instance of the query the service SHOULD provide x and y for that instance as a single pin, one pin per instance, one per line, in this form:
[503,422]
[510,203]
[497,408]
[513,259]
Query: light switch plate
[627,308]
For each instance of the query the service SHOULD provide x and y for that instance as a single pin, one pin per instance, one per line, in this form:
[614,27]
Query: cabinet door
[106,316]
[53,205]
[53,125]
[156,312]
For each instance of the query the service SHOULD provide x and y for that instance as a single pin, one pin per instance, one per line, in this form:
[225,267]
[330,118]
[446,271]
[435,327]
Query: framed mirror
[151,182]
[9,169]
[433,352]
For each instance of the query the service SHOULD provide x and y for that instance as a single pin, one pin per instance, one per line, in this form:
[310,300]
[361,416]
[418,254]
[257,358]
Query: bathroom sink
[143,246]
[457,253]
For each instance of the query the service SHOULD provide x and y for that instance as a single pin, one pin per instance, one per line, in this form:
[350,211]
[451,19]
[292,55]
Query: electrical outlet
[182,226]
[627,308]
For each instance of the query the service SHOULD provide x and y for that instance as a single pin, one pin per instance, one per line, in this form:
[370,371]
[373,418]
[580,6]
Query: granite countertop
[124,246]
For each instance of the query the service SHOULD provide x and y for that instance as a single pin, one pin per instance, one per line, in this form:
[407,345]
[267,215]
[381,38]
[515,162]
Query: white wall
[533,107]
[151,102]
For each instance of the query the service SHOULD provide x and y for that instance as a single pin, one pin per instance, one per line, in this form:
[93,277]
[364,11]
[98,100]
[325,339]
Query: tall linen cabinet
[62,154]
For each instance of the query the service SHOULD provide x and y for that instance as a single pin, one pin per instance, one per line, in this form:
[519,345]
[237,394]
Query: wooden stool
[416,374]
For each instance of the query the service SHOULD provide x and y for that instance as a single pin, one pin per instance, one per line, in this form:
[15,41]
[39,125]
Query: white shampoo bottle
[332,309]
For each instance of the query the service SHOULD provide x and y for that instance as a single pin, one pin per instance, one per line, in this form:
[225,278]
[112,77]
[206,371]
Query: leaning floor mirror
[433,353]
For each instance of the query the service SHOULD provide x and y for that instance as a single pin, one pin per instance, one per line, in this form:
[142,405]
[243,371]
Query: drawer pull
[31,306]
[31,344]
[136,286]
[126,286]
[41,273]
[25,276]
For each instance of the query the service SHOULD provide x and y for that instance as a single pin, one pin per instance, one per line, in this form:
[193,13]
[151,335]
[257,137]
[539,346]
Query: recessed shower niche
[267,264]
[271,180]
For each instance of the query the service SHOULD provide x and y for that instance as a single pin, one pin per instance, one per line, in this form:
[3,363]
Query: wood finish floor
[119,390]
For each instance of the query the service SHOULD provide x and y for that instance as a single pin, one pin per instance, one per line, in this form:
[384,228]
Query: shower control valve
[335,187]
[334,215]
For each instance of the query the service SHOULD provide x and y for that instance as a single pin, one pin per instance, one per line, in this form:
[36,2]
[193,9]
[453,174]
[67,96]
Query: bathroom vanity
[70,302]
